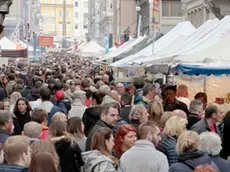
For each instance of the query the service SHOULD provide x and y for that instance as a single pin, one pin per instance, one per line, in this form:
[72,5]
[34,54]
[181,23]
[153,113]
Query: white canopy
[181,46]
[125,47]
[92,49]
[178,32]
[7,44]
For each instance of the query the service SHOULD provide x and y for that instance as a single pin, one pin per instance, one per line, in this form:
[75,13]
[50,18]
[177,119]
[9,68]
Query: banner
[46,41]
[156,14]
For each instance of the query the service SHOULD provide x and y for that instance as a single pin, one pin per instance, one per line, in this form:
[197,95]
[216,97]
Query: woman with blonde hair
[100,158]
[138,115]
[155,110]
[190,156]
[67,148]
[173,128]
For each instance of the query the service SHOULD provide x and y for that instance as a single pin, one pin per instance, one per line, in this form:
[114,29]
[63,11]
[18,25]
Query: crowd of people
[67,115]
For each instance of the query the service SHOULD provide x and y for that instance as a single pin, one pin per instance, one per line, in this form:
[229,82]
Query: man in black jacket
[108,118]
[17,154]
[195,109]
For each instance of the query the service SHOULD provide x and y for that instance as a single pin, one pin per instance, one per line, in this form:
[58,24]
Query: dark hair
[201,95]
[74,126]
[45,94]
[58,85]
[85,83]
[105,108]
[97,96]
[11,77]
[39,115]
[126,98]
[129,87]
[210,110]
[42,162]
[28,108]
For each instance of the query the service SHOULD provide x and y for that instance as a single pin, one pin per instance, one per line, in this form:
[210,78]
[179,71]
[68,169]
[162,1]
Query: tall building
[171,14]
[125,18]
[81,18]
[52,13]
[101,18]
[199,11]
[21,13]
[93,27]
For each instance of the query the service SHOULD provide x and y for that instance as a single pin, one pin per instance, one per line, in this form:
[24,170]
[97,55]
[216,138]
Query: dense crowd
[68,115]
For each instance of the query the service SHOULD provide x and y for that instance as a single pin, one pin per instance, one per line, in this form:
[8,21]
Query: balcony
[105,15]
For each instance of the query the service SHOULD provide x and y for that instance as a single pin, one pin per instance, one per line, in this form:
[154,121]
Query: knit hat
[60,95]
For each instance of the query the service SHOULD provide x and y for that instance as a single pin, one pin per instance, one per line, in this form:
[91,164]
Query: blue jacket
[168,147]
[189,160]
[222,164]
[65,105]
[3,135]
[13,168]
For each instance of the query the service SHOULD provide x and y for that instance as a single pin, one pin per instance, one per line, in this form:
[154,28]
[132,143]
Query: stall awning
[204,69]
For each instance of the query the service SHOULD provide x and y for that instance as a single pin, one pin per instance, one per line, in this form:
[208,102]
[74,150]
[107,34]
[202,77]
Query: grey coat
[143,157]
[202,126]
[97,162]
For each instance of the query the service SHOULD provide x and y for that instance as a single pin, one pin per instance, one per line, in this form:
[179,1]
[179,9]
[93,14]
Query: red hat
[60,95]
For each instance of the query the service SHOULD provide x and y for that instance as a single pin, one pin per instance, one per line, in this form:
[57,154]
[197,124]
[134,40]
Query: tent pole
[205,85]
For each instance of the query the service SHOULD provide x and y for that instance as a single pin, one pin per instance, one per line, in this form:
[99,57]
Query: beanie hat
[60,95]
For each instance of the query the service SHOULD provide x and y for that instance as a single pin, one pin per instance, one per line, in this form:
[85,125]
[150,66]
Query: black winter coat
[225,152]
[70,156]
[90,118]
[192,119]
[189,160]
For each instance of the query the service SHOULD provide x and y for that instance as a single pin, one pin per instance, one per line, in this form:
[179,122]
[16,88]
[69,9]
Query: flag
[156,14]
[106,45]
[75,45]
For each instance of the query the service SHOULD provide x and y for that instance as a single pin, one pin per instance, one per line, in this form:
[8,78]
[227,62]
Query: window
[172,8]
[76,4]
[85,26]
[60,27]
[45,1]
[60,13]
[52,13]
[76,26]
[67,14]
[85,17]
[85,4]
[52,27]
[76,15]
[68,27]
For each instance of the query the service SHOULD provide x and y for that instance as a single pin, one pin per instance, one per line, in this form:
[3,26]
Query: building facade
[52,13]
[101,21]
[22,12]
[171,14]
[199,11]
[125,18]
[81,20]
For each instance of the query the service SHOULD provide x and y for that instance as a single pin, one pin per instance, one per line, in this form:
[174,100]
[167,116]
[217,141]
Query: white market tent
[182,46]
[92,49]
[178,32]
[7,44]
[125,47]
